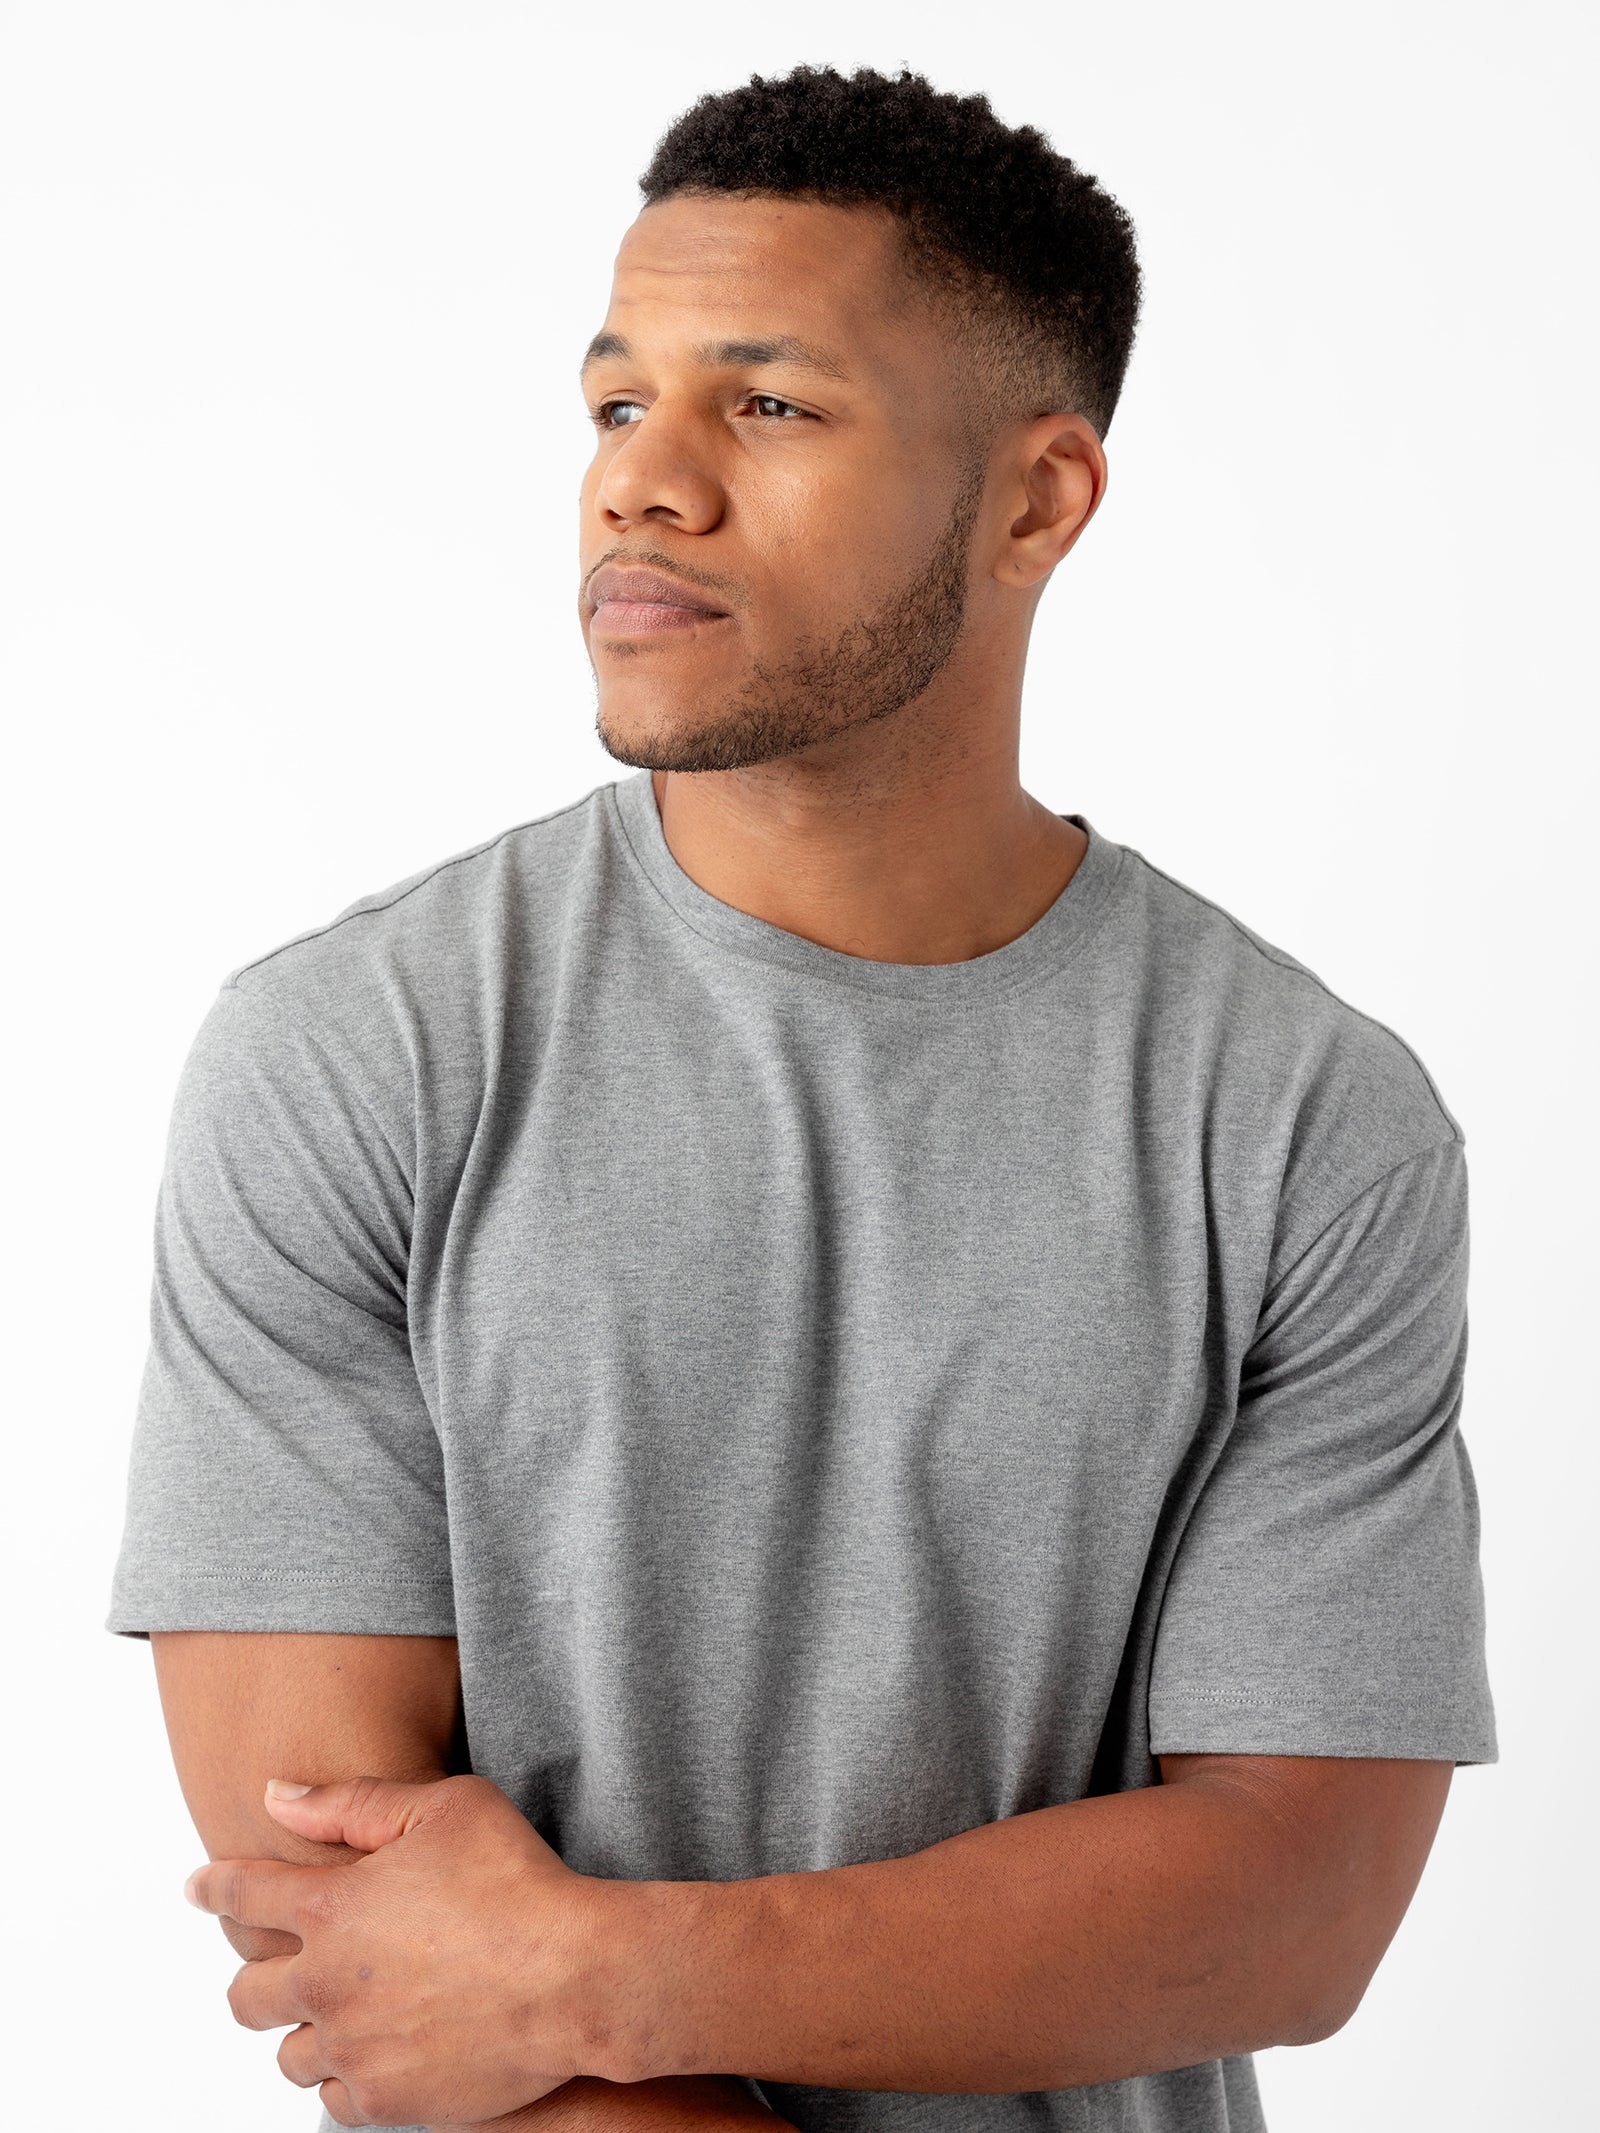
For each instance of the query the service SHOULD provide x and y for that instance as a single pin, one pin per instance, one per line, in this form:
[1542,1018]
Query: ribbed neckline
[1047,944]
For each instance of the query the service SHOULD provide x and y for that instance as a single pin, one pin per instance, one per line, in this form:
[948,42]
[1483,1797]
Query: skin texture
[459,1969]
[239,1707]
[825,675]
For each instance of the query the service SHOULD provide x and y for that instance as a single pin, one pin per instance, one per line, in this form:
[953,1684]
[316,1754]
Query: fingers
[336,2102]
[300,2059]
[254,1943]
[365,1812]
[257,1892]
[265,1995]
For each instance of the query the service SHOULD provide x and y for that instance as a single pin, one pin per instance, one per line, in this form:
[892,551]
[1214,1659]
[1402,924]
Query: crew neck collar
[1049,942]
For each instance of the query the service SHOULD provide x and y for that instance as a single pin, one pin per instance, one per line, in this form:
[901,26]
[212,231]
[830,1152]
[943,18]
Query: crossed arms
[1244,1902]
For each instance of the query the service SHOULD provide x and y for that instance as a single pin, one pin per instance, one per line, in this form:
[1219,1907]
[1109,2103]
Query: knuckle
[319,1905]
[340,2105]
[379,2103]
[368,2093]
[363,1793]
[316,1993]
[232,1893]
[463,1795]
[450,1801]
[354,2064]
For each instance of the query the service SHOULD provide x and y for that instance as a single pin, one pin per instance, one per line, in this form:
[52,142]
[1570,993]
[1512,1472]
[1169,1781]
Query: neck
[890,841]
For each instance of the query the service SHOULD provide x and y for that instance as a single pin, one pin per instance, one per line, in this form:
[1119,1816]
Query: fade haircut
[1036,261]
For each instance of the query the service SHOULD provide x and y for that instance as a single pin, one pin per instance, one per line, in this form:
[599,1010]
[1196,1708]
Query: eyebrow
[731,355]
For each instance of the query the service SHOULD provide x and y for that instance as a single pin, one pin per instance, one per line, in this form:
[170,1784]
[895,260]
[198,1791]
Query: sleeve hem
[266,1600]
[1243,1725]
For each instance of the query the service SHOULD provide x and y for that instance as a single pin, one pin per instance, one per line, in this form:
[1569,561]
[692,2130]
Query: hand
[453,1974]
[685,2104]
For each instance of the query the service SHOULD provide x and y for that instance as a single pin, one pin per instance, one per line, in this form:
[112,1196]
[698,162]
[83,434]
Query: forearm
[1078,1944]
[243,1707]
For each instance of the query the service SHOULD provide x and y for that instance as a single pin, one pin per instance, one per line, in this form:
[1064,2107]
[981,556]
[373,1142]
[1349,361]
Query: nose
[655,475]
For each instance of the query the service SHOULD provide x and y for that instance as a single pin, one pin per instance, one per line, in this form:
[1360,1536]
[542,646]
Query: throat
[908,885]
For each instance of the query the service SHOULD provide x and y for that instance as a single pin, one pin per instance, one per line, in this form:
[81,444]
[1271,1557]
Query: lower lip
[647,618]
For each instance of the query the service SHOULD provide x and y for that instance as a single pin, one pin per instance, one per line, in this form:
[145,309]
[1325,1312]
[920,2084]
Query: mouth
[626,600]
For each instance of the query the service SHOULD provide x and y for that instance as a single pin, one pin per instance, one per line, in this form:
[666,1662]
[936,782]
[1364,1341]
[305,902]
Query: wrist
[674,1974]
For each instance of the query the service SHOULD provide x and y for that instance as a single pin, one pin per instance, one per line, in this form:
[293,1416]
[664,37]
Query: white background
[289,445]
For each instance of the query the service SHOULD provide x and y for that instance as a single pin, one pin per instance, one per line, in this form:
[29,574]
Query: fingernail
[189,1895]
[285,1788]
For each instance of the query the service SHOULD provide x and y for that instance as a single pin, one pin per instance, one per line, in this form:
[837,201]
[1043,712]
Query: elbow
[1318,2028]
[1323,2015]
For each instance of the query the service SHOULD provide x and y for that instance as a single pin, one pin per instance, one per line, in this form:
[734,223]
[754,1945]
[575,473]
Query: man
[808,1417]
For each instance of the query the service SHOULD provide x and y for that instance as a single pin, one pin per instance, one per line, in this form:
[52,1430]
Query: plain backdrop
[293,296]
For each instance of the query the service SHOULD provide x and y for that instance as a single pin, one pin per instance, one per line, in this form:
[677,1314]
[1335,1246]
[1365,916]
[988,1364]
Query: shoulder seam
[1281,961]
[371,910]
[1417,1155]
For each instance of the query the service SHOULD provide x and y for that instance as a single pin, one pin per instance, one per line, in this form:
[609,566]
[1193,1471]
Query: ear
[1059,467]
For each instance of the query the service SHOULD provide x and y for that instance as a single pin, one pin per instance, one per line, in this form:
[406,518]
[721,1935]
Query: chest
[728,1245]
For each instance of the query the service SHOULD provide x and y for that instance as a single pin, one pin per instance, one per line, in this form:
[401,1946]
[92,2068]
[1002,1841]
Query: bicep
[1350,1833]
[243,1706]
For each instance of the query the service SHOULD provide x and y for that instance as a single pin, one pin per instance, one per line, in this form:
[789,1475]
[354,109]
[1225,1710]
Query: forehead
[766,267]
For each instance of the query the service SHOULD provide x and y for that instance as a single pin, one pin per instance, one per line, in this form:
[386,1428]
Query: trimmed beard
[875,666]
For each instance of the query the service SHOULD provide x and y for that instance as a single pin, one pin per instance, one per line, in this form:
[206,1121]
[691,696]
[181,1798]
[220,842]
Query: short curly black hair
[1039,257]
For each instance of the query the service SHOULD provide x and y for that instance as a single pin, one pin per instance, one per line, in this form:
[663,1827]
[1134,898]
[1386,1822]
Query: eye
[769,404]
[617,414]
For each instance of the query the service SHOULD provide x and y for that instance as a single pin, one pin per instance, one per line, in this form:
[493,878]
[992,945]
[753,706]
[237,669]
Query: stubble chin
[734,737]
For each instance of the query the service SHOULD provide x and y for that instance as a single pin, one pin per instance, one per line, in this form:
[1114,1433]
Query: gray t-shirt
[834,1403]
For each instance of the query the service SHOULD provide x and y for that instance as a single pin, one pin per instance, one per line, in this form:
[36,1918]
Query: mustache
[658,559]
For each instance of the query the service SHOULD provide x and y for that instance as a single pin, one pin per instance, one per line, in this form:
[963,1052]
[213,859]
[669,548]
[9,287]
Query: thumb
[364,1812]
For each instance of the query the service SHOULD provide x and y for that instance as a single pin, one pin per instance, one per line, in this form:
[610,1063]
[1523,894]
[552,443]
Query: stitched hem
[307,1577]
[335,1602]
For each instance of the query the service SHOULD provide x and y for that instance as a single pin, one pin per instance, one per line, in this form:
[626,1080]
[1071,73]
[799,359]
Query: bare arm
[242,1707]
[1244,1902]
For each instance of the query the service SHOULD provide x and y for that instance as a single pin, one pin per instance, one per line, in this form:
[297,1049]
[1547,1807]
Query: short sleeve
[285,1473]
[1325,1598]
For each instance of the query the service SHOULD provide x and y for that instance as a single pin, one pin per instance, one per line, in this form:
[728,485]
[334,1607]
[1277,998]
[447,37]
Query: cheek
[829,540]
[876,515]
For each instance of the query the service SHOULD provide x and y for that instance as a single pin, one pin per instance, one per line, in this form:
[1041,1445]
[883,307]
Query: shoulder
[435,924]
[1325,1095]
[394,1001]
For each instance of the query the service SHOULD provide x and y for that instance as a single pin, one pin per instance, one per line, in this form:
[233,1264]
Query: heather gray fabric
[834,1403]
